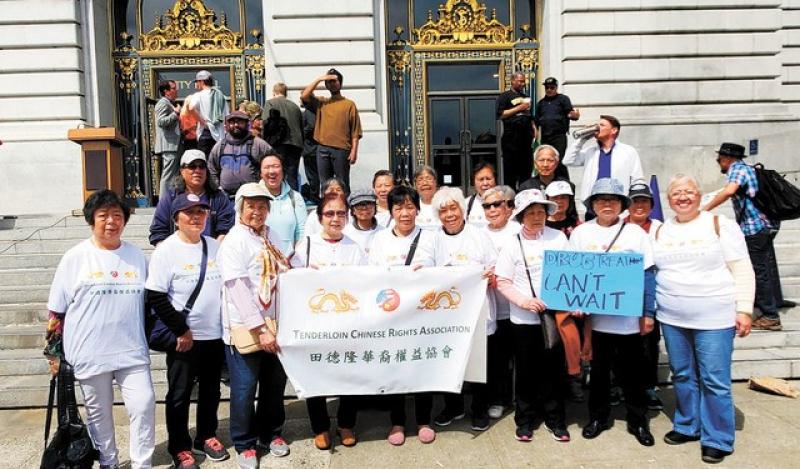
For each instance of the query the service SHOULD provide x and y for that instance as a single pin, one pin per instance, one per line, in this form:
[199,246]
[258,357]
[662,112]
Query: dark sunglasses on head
[195,166]
[498,204]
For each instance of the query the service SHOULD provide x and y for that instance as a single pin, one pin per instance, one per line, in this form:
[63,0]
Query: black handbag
[550,333]
[71,447]
[159,337]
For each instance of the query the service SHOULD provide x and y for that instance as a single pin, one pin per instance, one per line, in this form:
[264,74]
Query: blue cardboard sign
[593,282]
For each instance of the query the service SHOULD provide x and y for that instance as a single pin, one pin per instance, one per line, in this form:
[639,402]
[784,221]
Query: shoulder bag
[550,332]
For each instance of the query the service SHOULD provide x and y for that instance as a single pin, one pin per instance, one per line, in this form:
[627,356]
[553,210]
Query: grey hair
[505,193]
[540,148]
[425,169]
[681,178]
[446,195]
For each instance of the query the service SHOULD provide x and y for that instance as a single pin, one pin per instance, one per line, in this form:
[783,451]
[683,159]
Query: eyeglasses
[688,193]
[498,204]
[334,214]
[550,87]
[194,166]
[425,178]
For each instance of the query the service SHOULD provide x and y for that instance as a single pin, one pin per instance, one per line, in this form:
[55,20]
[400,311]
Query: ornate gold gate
[459,61]
[186,38]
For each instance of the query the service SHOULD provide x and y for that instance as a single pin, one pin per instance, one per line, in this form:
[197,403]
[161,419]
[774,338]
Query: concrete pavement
[768,430]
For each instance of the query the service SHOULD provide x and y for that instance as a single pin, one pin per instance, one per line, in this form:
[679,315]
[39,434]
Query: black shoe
[524,434]
[675,438]
[713,455]
[446,417]
[593,429]
[560,433]
[642,434]
[576,389]
[480,423]
[787,304]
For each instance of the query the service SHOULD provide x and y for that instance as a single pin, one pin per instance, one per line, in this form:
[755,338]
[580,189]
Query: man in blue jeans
[759,232]
[337,130]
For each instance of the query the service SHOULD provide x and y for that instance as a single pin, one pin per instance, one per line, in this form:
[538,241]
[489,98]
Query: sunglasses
[498,204]
[550,87]
[194,166]
[334,213]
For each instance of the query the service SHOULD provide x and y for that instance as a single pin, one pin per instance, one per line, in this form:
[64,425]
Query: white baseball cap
[192,155]
[529,197]
[558,188]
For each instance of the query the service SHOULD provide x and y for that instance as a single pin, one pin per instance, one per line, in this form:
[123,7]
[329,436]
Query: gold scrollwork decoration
[190,26]
[127,69]
[255,65]
[527,59]
[399,63]
[462,22]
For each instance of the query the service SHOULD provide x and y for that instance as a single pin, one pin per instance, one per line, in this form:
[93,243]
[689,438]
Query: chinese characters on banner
[371,330]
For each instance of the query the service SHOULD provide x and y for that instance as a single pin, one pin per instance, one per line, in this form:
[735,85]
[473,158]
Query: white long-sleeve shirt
[625,163]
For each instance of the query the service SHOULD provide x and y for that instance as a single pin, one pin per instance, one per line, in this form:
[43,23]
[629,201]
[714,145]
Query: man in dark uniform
[514,109]
[551,121]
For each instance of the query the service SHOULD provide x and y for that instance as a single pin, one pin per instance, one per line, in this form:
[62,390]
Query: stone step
[67,232]
[29,261]
[36,276]
[30,361]
[790,286]
[24,294]
[26,336]
[23,313]
[775,362]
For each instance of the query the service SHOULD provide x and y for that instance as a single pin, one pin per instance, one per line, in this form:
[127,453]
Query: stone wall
[682,76]
[41,97]
[303,43]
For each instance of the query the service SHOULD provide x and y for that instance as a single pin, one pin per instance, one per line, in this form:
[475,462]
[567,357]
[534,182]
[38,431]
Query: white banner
[372,330]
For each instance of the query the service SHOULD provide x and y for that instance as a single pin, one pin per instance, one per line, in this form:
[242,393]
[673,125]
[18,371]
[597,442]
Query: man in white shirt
[606,157]
[211,106]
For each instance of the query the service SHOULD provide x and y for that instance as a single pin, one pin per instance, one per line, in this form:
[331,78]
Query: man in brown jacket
[338,128]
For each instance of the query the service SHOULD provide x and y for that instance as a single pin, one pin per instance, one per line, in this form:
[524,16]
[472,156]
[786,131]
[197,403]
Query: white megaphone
[586,132]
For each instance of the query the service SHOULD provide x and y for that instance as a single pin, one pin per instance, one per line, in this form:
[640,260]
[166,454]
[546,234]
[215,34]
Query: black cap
[550,81]
[731,149]
[640,189]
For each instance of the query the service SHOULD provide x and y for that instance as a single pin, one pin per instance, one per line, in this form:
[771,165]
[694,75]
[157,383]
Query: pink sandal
[397,435]
[426,434]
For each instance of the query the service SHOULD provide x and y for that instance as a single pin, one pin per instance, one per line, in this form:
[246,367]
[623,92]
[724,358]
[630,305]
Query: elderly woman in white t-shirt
[406,244]
[175,268]
[426,184]
[96,308]
[459,243]
[617,340]
[705,288]
[333,185]
[498,205]
[250,262]
[484,177]
[538,372]
[330,248]
[363,224]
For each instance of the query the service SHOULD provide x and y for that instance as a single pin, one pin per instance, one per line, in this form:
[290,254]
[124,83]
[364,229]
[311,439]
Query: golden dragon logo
[326,302]
[433,300]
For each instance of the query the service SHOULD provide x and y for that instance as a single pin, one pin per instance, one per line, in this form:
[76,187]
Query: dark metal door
[463,131]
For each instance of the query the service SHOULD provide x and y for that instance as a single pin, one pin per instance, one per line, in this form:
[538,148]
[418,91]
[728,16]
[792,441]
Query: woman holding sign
[330,248]
[538,371]
[459,243]
[617,337]
[406,244]
[705,288]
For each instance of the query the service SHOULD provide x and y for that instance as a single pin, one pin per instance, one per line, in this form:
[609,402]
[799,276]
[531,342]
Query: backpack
[776,198]
[71,446]
[276,128]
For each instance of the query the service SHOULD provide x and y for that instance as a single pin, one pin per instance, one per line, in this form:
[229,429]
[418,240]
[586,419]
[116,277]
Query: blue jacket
[287,217]
[220,220]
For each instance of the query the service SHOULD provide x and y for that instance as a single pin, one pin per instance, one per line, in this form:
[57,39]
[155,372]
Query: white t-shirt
[202,105]
[324,253]
[427,219]
[511,265]
[469,247]
[362,237]
[174,270]
[384,217]
[694,288]
[592,237]
[476,217]
[389,249]
[240,256]
[312,225]
[498,238]
[101,293]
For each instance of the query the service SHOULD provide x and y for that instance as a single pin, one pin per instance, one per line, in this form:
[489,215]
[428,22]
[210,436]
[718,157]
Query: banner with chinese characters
[372,330]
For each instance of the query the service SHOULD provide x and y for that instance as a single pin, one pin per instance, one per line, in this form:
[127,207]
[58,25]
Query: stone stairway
[30,252]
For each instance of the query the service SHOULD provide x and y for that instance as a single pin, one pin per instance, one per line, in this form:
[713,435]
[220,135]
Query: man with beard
[337,130]
[514,109]
[234,160]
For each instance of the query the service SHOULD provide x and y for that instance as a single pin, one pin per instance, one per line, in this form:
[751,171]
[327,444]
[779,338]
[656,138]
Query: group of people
[223,240]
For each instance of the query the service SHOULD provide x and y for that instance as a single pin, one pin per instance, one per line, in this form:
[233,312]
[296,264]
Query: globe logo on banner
[388,300]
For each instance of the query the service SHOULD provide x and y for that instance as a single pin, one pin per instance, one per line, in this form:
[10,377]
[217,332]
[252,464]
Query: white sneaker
[496,411]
